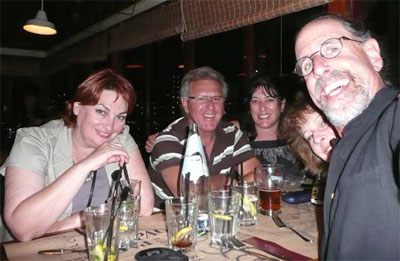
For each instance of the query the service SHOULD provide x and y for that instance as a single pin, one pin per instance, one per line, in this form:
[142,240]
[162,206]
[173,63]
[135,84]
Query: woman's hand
[105,154]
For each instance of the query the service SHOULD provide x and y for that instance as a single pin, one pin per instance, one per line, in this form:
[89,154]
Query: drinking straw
[187,181]
[126,174]
[241,173]
[117,177]
[232,175]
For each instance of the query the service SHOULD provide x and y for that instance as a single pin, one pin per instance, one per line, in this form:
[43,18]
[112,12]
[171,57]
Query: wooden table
[152,233]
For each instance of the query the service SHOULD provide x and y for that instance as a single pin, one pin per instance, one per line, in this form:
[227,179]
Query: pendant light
[40,24]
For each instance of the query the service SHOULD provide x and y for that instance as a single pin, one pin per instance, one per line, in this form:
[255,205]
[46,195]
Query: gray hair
[356,29]
[202,73]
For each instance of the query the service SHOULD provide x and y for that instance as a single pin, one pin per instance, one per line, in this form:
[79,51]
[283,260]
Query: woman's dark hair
[270,86]
[89,92]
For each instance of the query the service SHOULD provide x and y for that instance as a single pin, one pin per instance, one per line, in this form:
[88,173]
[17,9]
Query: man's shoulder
[227,127]
[177,128]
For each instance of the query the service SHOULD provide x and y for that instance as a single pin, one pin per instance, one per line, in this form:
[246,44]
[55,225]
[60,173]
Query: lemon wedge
[220,216]
[98,252]
[123,227]
[248,205]
[181,233]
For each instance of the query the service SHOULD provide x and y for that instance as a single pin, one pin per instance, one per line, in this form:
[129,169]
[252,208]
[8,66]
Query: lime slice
[181,233]
[248,205]
[98,253]
[220,216]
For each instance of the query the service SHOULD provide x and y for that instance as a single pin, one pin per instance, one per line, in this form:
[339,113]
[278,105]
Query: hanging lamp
[40,24]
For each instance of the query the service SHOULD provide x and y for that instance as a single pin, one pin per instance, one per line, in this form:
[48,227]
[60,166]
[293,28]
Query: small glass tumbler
[128,226]
[134,184]
[101,233]
[270,179]
[181,224]
[223,210]
[248,210]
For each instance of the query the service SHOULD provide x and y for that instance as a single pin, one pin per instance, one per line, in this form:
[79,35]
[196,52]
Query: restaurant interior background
[51,67]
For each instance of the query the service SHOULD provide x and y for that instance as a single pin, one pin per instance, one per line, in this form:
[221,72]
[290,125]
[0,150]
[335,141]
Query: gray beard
[342,112]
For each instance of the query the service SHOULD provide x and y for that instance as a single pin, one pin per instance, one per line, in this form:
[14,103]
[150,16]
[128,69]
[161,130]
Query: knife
[275,249]
[61,251]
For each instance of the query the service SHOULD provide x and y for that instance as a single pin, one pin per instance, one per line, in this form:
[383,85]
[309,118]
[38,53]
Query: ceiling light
[40,24]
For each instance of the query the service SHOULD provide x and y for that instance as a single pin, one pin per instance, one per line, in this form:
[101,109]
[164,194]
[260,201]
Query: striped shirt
[231,147]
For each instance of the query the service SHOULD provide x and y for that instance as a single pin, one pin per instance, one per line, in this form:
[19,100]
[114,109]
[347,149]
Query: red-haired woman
[51,169]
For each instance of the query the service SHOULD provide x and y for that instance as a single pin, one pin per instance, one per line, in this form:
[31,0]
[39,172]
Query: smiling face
[207,115]
[318,134]
[265,110]
[100,123]
[342,86]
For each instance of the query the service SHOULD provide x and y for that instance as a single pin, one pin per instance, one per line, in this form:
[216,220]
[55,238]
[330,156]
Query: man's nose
[320,65]
[210,103]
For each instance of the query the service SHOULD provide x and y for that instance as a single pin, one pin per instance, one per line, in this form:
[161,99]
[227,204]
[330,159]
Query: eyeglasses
[329,49]
[204,99]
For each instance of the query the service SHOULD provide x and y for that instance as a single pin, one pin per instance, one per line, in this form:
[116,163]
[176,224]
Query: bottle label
[194,165]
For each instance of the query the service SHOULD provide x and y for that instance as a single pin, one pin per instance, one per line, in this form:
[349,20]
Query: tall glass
[223,211]
[270,179]
[248,211]
[101,236]
[128,227]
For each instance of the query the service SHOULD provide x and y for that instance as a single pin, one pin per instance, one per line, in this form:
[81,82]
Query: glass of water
[223,210]
[248,210]
[128,226]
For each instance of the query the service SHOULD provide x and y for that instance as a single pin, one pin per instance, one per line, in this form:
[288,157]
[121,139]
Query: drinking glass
[223,209]
[100,232]
[181,223]
[270,179]
[248,210]
[128,226]
[134,184]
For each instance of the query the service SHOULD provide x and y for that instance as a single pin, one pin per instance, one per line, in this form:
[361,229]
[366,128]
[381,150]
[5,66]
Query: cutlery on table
[61,251]
[278,221]
[234,243]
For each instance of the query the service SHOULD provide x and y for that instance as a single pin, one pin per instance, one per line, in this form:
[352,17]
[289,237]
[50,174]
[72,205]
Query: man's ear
[76,107]
[185,105]
[371,48]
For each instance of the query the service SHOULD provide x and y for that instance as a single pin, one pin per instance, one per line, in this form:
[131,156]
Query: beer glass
[270,179]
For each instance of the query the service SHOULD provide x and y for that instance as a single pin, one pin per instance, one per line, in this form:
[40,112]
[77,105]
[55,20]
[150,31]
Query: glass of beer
[270,179]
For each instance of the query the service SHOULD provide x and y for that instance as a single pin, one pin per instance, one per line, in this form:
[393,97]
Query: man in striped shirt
[203,92]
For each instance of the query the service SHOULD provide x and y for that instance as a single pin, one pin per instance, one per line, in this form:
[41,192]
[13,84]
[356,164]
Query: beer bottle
[195,173]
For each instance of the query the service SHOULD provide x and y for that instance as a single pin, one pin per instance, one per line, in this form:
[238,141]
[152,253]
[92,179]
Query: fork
[278,221]
[233,243]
